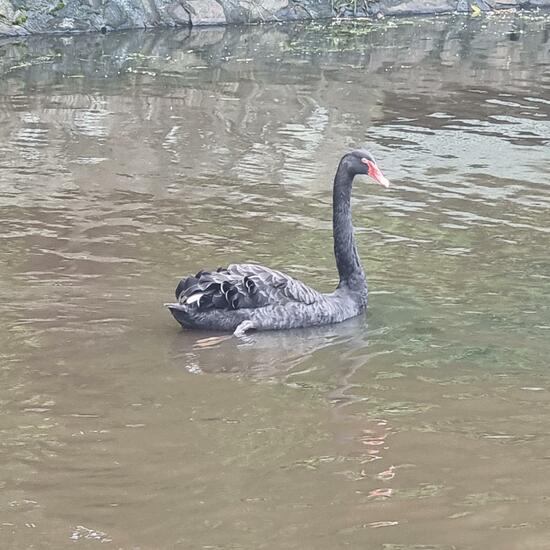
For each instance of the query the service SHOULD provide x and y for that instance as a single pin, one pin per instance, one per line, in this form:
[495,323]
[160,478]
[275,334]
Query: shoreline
[117,15]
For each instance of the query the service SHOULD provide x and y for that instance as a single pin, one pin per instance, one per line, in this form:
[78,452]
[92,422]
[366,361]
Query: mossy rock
[58,7]
[20,19]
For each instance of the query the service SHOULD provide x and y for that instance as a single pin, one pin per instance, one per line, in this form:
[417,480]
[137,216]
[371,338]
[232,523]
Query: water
[128,160]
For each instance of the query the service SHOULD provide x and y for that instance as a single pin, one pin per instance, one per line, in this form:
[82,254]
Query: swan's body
[249,296]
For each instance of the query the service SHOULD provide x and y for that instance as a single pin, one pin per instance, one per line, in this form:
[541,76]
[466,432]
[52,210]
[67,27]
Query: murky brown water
[130,159]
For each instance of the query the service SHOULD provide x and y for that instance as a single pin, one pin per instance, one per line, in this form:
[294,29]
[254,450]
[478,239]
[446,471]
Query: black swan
[244,297]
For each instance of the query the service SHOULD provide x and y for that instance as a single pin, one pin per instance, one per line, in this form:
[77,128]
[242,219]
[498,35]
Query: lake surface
[129,160]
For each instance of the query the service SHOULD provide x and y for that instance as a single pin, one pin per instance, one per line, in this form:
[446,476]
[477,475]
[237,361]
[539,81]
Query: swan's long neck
[345,251]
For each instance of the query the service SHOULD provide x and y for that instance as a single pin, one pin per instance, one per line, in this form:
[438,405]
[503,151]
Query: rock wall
[20,17]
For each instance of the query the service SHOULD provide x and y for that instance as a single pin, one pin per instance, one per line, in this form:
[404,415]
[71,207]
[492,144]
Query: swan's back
[242,286]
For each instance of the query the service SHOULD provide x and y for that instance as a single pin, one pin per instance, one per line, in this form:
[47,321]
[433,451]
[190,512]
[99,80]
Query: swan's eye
[367,161]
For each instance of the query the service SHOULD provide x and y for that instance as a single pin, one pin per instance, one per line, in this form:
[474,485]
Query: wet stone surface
[42,16]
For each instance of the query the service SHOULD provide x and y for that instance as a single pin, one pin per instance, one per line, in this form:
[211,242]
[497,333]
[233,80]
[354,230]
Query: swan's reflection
[275,355]
[324,359]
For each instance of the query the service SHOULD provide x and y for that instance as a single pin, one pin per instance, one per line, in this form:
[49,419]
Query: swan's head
[361,161]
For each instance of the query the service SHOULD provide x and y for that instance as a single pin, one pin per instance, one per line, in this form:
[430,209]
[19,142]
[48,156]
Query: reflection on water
[130,159]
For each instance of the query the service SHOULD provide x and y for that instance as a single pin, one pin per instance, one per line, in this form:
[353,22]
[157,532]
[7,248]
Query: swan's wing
[241,286]
[276,286]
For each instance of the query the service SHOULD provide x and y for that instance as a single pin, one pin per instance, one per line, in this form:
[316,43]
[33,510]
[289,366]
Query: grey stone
[505,4]
[115,16]
[409,7]
[11,30]
[7,13]
[205,12]
[484,5]
[180,15]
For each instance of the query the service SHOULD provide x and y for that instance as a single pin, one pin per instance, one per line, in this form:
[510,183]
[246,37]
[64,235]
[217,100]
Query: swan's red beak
[376,174]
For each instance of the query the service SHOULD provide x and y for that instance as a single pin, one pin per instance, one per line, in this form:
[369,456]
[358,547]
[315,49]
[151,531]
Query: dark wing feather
[241,286]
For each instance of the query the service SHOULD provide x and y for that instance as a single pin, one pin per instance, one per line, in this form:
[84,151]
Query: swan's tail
[219,290]
[181,314]
[213,319]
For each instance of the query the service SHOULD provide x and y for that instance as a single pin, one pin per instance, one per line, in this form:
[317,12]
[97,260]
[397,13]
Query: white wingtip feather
[194,298]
